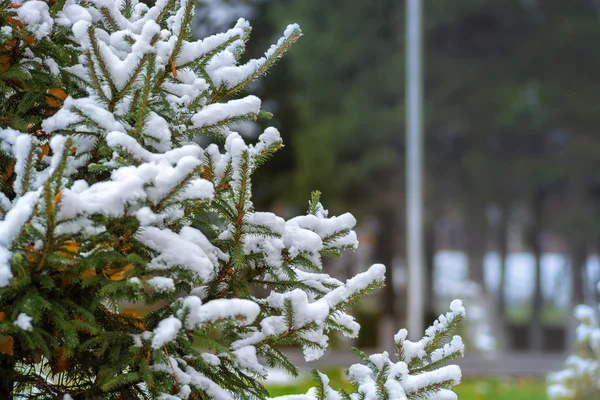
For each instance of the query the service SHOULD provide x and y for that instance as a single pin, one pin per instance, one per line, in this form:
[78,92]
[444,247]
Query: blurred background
[511,155]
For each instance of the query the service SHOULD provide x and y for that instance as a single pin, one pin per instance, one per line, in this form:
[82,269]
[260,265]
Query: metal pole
[414,162]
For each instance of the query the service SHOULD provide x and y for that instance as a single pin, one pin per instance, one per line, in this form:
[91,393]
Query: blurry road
[510,364]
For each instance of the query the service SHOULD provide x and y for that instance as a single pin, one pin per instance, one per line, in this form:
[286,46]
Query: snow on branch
[417,374]
[226,113]
[224,72]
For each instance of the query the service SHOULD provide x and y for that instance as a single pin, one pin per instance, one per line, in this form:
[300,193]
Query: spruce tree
[108,198]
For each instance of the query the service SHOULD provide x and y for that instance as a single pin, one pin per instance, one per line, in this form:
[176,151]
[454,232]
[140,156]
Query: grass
[469,389]
[552,316]
[501,389]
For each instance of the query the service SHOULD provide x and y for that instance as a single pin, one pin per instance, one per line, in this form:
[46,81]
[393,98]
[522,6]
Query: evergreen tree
[111,199]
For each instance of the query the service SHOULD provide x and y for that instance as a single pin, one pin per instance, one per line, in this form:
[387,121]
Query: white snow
[161,283]
[158,128]
[193,50]
[211,359]
[246,358]
[166,331]
[91,107]
[52,66]
[173,250]
[24,322]
[218,112]
[198,189]
[12,224]
[35,16]
[245,311]
[5,270]
[72,13]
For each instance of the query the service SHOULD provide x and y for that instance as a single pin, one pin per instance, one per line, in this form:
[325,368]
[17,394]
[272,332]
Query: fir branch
[142,112]
[287,285]
[399,350]
[218,129]
[243,193]
[320,384]
[164,12]
[49,195]
[365,359]
[266,154]
[164,202]
[119,96]
[109,18]
[185,23]
[433,365]
[29,167]
[85,118]
[224,210]
[223,183]
[443,335]
[100,60]
[269,62]
[314,205]
[335,236]
[355,297]
[276,358]
[127,8]
[94,76]
[429,390]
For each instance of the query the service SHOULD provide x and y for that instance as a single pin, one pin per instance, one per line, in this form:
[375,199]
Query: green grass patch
[501,389]
[469,389]
[551,316]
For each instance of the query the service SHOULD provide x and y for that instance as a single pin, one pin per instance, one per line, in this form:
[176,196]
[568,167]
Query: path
[510,364]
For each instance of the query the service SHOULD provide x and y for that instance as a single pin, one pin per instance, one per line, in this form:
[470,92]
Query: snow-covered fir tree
[580,377]
[107,198]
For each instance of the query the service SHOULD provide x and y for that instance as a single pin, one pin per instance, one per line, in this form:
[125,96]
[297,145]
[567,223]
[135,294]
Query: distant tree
[510,109]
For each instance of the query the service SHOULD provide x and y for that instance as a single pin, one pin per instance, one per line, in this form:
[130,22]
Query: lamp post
[414,167]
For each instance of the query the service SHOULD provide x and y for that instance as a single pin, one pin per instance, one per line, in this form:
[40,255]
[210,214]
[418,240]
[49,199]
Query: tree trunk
[536,336]
[430,300]
[384,253]
[501,300]
[578,259]
[476,248]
